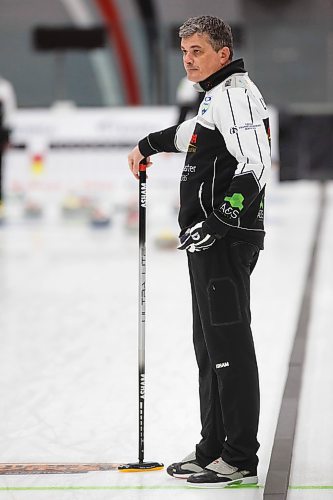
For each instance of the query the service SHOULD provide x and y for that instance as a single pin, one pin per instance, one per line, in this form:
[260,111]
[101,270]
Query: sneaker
[219,474]
[185,468]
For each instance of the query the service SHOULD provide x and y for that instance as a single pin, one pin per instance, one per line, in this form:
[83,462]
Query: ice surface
[68,323]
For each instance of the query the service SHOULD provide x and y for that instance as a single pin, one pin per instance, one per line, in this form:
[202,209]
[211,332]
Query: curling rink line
[312,462]
[60,404]
[156,487]
[112,488]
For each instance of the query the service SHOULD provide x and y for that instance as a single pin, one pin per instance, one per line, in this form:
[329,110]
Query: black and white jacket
[228,157]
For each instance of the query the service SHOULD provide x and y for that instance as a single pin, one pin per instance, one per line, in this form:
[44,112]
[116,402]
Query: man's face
[200,59]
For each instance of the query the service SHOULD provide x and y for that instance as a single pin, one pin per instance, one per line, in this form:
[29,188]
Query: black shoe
[219,474]
[185,468]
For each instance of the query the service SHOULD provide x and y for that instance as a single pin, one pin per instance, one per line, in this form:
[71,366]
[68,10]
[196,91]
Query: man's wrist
[209,230]
[145,147]
[216,226]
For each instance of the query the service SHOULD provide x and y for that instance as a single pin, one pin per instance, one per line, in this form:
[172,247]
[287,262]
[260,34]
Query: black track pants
[228,374]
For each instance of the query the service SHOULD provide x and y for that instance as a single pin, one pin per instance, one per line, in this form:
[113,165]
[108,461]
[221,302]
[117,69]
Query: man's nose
[188,59]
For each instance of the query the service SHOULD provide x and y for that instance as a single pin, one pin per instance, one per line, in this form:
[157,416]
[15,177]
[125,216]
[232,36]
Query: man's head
[206,43]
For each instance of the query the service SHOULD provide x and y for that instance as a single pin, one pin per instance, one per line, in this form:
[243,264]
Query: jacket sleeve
[240,117]
[173,139]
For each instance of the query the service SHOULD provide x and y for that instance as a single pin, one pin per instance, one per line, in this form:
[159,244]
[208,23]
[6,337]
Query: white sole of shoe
[183,476]
[234,482]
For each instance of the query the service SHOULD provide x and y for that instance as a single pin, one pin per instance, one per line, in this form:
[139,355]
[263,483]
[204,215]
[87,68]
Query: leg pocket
[224,307]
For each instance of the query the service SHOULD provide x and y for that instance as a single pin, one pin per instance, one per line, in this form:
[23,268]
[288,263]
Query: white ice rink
[68,352]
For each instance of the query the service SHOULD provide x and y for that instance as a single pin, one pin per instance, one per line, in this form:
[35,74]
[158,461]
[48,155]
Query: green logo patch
[236,200]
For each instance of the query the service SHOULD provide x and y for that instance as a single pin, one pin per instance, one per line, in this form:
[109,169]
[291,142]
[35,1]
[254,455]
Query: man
[222,230]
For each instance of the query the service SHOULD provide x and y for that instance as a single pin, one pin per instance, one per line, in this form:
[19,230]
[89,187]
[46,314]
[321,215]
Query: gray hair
[218,32]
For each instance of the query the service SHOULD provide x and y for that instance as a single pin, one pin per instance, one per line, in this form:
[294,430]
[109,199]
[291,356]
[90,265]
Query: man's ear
[224,55]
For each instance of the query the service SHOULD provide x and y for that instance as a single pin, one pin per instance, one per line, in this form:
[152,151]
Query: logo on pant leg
[223,365]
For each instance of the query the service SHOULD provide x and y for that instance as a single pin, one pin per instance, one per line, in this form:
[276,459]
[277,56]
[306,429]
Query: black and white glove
[196,238]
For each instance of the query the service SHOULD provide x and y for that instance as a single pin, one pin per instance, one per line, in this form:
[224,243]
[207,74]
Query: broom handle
[142,303]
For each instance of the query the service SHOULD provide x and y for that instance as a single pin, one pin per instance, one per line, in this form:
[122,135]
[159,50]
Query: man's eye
[196,52]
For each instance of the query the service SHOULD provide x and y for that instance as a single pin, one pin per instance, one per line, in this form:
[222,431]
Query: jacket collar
[222,74]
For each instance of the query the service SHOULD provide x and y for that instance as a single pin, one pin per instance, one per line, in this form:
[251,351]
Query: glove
[196,238]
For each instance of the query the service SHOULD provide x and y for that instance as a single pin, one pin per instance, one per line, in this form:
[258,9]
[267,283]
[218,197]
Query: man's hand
[134,159]
[196,238]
